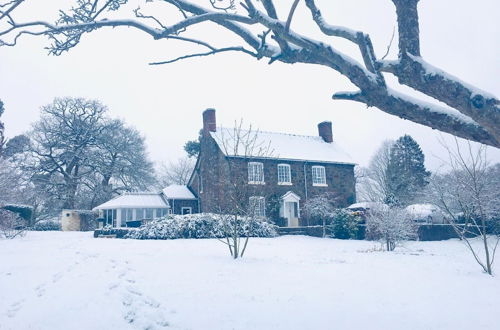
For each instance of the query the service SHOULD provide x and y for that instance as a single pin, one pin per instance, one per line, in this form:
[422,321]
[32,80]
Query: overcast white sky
[165,102]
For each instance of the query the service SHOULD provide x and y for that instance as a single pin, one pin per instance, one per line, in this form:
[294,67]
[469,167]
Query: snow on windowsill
[285,184]
[257,182]
[320,185]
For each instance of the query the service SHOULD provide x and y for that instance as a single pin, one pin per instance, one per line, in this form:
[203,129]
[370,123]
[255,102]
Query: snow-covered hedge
[24,211]
[202,225]
[47,225]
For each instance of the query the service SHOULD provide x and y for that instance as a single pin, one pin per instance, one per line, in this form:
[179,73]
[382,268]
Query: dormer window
[284,176]
[318,176]
[255,173]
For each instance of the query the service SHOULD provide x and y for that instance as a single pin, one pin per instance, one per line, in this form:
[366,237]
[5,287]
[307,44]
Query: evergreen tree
[16,145]
[406,173]
[192,147]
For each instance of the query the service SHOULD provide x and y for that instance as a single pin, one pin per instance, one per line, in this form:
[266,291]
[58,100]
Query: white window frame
[258,203]
[149,213]
[127,214]
[255,173]
[139,216]
[286,177]
[160,212]
[186,208]
[110,217]
[318,174]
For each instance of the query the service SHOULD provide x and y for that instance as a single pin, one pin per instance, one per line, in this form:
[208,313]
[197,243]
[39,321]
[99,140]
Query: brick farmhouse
[275,173]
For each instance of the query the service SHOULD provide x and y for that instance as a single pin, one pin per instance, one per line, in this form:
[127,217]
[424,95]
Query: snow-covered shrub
[46,225]
[202,225]
[390,226]
[426,213]
[11,224]
[344,224]
[319,210]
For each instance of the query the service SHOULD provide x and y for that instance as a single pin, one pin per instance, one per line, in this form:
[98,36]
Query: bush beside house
[201,225]
[344,225]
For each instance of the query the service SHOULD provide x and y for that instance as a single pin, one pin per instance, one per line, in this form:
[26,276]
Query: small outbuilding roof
[422,210]
[135,200]
[279,145]
[177,191]
[367,206]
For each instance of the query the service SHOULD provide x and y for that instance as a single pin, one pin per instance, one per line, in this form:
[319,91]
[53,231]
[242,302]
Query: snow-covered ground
[57,280]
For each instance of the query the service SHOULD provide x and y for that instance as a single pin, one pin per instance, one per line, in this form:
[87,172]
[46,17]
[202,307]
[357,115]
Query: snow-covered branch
[477,115]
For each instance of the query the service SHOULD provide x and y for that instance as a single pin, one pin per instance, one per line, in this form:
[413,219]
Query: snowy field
[56,280]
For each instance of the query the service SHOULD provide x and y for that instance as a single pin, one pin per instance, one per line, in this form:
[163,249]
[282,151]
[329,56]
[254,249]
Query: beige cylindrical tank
[70,220]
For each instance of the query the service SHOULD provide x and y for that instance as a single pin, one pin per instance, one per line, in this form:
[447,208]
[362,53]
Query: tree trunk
[70,193]
[486,248]
[408,29]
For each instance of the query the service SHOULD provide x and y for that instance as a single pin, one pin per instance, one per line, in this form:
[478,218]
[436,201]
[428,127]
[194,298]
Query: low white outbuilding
[181,199]
[133,206]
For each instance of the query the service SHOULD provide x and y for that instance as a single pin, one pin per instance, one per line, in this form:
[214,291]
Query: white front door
[291,210]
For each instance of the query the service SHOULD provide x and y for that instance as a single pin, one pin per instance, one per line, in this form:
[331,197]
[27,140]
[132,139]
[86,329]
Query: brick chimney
[209,123]
[325,131]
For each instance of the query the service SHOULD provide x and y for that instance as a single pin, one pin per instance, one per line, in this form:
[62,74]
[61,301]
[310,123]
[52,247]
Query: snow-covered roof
[279,145]
[367,205]
[177,191]
[135,200]
[422,210]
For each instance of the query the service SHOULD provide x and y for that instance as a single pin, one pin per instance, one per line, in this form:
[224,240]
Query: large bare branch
[480,106]
[477,115]
[409,108]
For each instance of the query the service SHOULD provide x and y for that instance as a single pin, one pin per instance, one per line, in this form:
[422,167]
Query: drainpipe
[305,179]
[305,186]
[200,189]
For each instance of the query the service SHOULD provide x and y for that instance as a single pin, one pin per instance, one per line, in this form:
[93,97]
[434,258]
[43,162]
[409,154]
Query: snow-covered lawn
[57,280]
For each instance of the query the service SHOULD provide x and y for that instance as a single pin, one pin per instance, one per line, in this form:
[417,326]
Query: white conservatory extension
[133,206]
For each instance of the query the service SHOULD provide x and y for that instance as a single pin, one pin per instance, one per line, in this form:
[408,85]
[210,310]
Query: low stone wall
[437,232]
[315,231]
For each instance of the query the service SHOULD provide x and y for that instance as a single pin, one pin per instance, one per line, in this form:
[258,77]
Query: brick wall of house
[216,175]
[207,182]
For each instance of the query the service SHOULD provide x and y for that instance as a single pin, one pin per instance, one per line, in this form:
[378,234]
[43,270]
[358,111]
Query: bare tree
[10,182]
[390,225]
[373,183]
[61,146]
[16,186]
[120,162]
[11,225]
[79,157]
[244,202]
[177,172]
[320,207]
[470,195]
[263,35]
